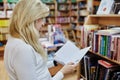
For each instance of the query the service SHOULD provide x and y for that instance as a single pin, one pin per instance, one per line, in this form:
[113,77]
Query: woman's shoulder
[16,43]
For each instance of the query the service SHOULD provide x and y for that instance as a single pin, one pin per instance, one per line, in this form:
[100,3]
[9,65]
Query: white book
[70,53]
[105,7]
[109,31]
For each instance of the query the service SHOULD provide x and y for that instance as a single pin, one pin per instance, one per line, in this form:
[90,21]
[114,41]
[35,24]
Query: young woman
[24,57]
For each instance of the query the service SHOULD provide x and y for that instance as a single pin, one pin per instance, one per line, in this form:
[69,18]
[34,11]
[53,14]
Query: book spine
[115,49]
[118,50]
[109,47]
[96,38]
[105,45]
[102,45]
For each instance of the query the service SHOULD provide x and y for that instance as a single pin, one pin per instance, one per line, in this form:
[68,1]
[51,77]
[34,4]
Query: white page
[70,53]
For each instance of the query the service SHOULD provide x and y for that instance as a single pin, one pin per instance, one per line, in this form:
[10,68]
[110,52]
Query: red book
[105,64]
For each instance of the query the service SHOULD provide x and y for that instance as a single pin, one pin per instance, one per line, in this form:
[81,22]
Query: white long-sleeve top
[22,62]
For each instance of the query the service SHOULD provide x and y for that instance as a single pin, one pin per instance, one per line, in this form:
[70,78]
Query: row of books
[82,4]
[105,42]
[10,5]
[88,31]
[47,1]
[3,37]
[63,13]
[4,23]
[74,19]
[83,12]
[12,1]
[74,13]
[63,7]
[50,20]
[3,33]
[99,69]
[6,14]
[51,6]
[63,20]
[74,6]
[52,13]
[86,34]
[61,1]
[107,45]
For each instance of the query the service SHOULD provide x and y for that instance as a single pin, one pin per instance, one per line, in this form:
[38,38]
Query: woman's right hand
[68,68]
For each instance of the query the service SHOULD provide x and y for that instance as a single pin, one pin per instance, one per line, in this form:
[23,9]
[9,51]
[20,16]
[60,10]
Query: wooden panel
[103,20]
[2,51]
[55,69]
[72,76]
[109,21]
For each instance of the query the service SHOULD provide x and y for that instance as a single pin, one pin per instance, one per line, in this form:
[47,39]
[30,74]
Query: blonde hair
[22,23]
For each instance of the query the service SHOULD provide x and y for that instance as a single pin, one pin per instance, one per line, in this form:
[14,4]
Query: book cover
[105,7]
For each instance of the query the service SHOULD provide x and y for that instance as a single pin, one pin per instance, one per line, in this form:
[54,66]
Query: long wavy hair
[22,22]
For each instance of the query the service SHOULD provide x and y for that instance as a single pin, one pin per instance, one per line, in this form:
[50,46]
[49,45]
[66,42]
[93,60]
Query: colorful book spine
[118,50]
[109,47]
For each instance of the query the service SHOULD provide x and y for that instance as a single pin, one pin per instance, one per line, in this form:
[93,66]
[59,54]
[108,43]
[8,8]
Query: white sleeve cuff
[50,64]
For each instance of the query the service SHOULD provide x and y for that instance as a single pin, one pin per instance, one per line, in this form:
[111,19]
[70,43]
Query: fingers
[70,63]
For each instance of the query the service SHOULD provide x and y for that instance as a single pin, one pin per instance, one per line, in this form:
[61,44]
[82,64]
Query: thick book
[69,52]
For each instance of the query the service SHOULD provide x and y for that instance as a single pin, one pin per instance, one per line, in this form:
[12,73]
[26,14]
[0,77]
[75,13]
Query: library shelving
[103,46]
[103,20]
[6,7]
[69,14]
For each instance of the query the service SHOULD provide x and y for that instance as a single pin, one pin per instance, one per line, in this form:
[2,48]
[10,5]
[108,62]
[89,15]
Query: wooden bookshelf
[103,21]
[1,51]
[4,19]
[68,12]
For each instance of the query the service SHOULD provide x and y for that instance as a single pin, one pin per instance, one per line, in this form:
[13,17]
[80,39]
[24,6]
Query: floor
[3,73]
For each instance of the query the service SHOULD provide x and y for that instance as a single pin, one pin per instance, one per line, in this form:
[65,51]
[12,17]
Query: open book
[70,53]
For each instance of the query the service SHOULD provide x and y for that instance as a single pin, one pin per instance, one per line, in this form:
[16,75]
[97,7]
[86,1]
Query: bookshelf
[68,12]
[102,21]
[6,7]
[3,23]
